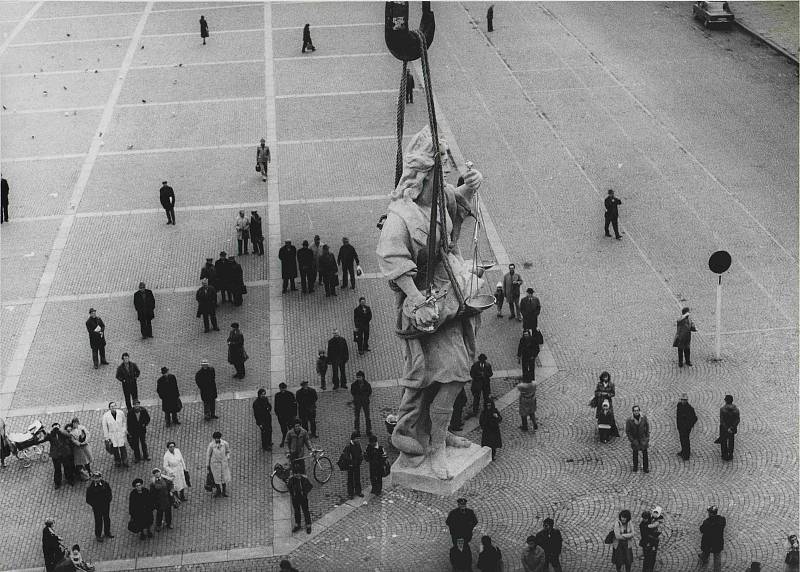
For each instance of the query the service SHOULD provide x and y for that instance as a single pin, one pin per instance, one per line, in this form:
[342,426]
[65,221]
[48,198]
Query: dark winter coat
[167,389]
[223,272]
[288,258]
[374,457]
[96,339]
[262,411]
[713,529]
[347,255]
[206,381]
[129,375]
[337,350]
[361,390]
[306,399]
[236,353]
[98,494]
[728,419]
[305,258]
[550,541]
[490,424]
[167,196]
[327,264]
[60,444]
[256,229]
[604,392]
[206,298]
[362,316]
[527,349]
[4,192]
[481,374]
[461,522]
[210,272]
[461,560]
[685,417]
[354,454]
[530,309]
[203,28]
[235,277]
[161,493]
[140,509]
[306,34]
[145,304]
[683,333]
[638,434]
[489,560]
[137,426]
[285,405]
[612,210]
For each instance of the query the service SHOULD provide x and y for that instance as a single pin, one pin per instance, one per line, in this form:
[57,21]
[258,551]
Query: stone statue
[439,345]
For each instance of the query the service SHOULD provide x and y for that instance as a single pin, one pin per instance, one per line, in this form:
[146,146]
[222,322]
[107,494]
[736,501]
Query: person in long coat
[115,430]
[203,29]
[81,452]
[605,391]
[206,381]
[218,457]
[236,285]
[174,466]
[288,257]
[236,353]
[97,338]
[51,546]
[167,389]
[490,424]
[338,356]
[140,509]
[99,496]
[527,350]
[145,304]
[256,233]
[307,44]
[206,298]
[527,403]
[307,267]
[328,270]
[242,232]
[685,419]
[222,268]
[638,430]
[713,536]
[683,337]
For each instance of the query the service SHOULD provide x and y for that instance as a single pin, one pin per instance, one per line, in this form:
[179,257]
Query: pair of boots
[221,493]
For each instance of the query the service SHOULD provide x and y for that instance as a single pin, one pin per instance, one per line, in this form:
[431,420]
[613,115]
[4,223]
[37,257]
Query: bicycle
[323,470]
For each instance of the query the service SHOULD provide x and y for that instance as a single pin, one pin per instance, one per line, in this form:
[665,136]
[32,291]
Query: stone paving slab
[366,39]
[188,50]
[197,179]
[203,521]
[82,89]
[60,9]
[228,122]
[64,56]
[323,13]
[309,75]
[360,115]
[40,188]
[15,10]
[232,18]
[201,82]
[163,268]
[12,320]
[179,344]
[26,246]
[46,134]
[108,26]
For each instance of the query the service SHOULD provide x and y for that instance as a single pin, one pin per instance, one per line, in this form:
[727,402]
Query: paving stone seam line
[331,56]
[31,324]
[352,25]
[138,104]
[78,16]
[671,135]
[18,28]
[334,94]
[142,67]
[116,38]
[679,195]
[563,145]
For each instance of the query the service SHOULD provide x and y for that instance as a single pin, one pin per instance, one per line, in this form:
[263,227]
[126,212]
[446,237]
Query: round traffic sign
[719,262]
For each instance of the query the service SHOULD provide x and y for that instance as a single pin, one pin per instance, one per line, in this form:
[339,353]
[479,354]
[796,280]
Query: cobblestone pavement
[562,101]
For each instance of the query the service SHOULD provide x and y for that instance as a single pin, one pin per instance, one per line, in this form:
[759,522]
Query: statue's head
[418,162]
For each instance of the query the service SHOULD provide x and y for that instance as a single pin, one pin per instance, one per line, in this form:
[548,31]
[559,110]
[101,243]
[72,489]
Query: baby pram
[29,446]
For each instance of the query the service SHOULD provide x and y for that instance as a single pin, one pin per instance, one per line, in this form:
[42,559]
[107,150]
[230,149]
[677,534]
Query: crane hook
[401,42]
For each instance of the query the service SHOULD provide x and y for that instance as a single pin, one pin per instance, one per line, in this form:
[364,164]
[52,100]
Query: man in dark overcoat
[361,390]
[362,316]
[288,257]
[305,262]
[256,233]
[262,411]
[685,419]
[209,271]
[4,189]
[236,285]
[728,427]
[223,272]
[236,352]
[145,304]
[285,409]
[481,374]
[128,374]
[713,537]
[206,298]
[97,338]
[461,521]
[348,258]
[137,421]
[206,380]
[306,398]
[328,270]
[167,198]
[338,355]
[99,496]
[612,213]
[167,389]
[530,307]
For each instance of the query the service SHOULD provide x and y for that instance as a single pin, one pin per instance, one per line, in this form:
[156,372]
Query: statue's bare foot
[407,444]
[412,461]
[439,463]
[456,441]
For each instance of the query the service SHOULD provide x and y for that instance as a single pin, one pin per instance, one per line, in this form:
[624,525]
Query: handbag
[132,526]
[245,357]
[609,537]
[187,478]
[209,486]
[109,447]
[387,467]
[258,167]
[344,461]
[593,402]
[179,405]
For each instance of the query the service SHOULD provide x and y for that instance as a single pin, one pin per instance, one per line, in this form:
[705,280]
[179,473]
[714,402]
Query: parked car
[713,13]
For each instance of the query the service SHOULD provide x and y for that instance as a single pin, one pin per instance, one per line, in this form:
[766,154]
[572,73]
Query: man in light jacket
[114,432]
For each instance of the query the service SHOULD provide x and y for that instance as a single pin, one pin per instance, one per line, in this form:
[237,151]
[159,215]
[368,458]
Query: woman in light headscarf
[174,465]
[438,345]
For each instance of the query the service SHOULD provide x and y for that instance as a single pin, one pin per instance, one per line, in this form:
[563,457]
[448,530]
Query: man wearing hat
[713,539]
[209,272]
[308,271]
[167,389]
[306,398]
[97,338]
[236,353]
[145,304]
[285,409]
[167,198]
[550,540]
[530,307]
[728,426]
[138,420]
[223,276]
[288,257]
[206,298]
[685,420]
[206,380]
[461,521]
[98,496]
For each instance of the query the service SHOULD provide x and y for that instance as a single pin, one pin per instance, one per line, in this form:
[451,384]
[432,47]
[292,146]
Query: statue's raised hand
[473,179]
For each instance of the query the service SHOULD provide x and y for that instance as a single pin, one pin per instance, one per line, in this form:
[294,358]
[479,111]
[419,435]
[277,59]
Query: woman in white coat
[114,431]
[175,466]
[218,457]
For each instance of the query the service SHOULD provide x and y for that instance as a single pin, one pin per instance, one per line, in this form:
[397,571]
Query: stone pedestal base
[463,463]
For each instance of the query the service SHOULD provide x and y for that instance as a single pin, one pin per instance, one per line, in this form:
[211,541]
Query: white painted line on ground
[179,65]
[384,196]
[337,140]
[157,150]
[332,56]
[71,41]
[44,158]
[334,93]
[60,110]
[18,28]
[31,324]
[354,25]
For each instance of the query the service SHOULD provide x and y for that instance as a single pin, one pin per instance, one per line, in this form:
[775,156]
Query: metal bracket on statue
[402,43]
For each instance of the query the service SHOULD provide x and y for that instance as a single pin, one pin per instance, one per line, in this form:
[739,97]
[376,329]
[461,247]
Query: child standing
[499,296]
[322,367]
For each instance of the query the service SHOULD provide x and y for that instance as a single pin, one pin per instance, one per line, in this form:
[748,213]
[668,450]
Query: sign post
[718,263]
